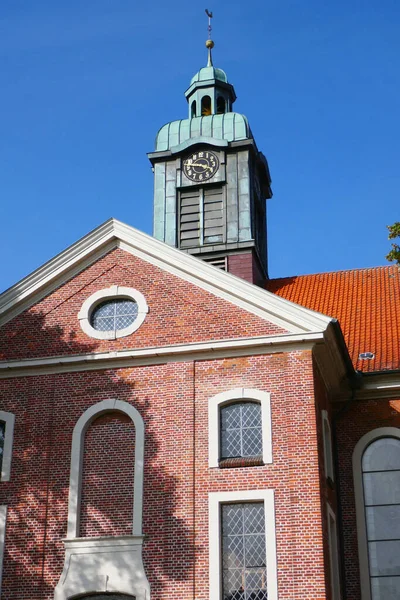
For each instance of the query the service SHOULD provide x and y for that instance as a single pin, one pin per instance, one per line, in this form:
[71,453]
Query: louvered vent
[213,213]
[189,231]
[220,263]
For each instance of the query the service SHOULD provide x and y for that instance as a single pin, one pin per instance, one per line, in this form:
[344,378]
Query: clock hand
[196,164]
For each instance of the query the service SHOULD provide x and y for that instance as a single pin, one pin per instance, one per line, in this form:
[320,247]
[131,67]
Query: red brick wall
[173,401]
[179,312]
[107,477]
[359,419]
[245,265]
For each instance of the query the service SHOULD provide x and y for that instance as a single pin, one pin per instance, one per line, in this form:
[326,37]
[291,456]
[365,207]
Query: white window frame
[112,293]
[75,482]
[3,520]
[333,554]
[359,449]
[327,442]
[9,420]
[215,499]
[229,397]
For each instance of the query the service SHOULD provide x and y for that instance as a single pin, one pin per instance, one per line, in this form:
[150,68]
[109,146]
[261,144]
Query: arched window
[376,464]
[241,430]
[221,105]
[117,556]
[205,106]
[193,109]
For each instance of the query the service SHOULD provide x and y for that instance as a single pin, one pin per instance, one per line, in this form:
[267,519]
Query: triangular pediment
[112,234]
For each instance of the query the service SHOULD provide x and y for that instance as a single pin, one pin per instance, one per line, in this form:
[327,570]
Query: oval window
[114,315]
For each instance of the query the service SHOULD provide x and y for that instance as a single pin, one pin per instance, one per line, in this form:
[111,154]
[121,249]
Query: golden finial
[209,42]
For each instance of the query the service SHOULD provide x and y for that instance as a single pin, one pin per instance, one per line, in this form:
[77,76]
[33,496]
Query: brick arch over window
[75,486]
[230,397]
[362,505]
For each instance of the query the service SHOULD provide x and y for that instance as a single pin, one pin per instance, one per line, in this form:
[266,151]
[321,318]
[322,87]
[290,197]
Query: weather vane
[209,42]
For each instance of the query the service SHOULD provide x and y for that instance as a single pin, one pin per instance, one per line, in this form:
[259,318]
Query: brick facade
[172,398]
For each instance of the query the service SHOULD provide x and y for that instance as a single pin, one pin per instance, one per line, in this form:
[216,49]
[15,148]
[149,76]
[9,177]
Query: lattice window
[381,483]
[241,430]
[114,315]
[244,574]
[2,438]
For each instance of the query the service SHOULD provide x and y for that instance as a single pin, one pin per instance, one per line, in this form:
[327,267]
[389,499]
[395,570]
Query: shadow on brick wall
[46,407]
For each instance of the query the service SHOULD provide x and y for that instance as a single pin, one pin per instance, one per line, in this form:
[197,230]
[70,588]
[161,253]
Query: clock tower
[211,181]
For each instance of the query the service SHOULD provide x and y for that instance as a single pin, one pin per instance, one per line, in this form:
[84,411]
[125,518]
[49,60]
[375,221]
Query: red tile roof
[366,303]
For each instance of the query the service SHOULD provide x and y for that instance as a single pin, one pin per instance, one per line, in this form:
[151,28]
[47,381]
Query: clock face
[201,166]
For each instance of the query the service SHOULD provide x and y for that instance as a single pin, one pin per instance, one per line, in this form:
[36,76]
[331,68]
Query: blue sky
[86,85]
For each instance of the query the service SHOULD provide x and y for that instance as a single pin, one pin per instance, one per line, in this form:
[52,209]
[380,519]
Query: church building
[174,424]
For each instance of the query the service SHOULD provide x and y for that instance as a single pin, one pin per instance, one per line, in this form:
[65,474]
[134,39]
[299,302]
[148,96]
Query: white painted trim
[359,449]
[333,556]
[9,420]
[161,354]
[228,397]
[114,291]
[327,443]
[3,521]
[113,233]
[214,536]
[75,482]
[103,565]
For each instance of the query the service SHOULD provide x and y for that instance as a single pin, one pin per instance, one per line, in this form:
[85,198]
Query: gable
[179,312]
[45,305]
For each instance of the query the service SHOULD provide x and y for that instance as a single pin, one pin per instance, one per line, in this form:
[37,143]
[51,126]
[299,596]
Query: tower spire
[209,42]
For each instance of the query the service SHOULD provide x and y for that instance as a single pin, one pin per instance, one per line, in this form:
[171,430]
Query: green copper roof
[229,127]
[207,73]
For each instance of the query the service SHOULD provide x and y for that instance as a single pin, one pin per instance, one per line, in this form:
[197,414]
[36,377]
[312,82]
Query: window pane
[231,444]
[255,550]
[384,558]
[230,417]
[2,434]
[241,430]
[251,415]
[382,488]
[243,551]
[252,442]
[382,455]
[114,315]
[254,518]
[385,588]
[383,522]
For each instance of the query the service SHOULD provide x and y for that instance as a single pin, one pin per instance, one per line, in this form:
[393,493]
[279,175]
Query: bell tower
[211,181]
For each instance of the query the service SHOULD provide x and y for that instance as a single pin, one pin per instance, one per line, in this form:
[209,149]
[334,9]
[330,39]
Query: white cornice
[113,234]
[161,355]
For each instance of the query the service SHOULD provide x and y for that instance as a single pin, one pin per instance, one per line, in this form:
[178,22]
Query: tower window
[193,109]
[206,106]
[201,217]
[221,105]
